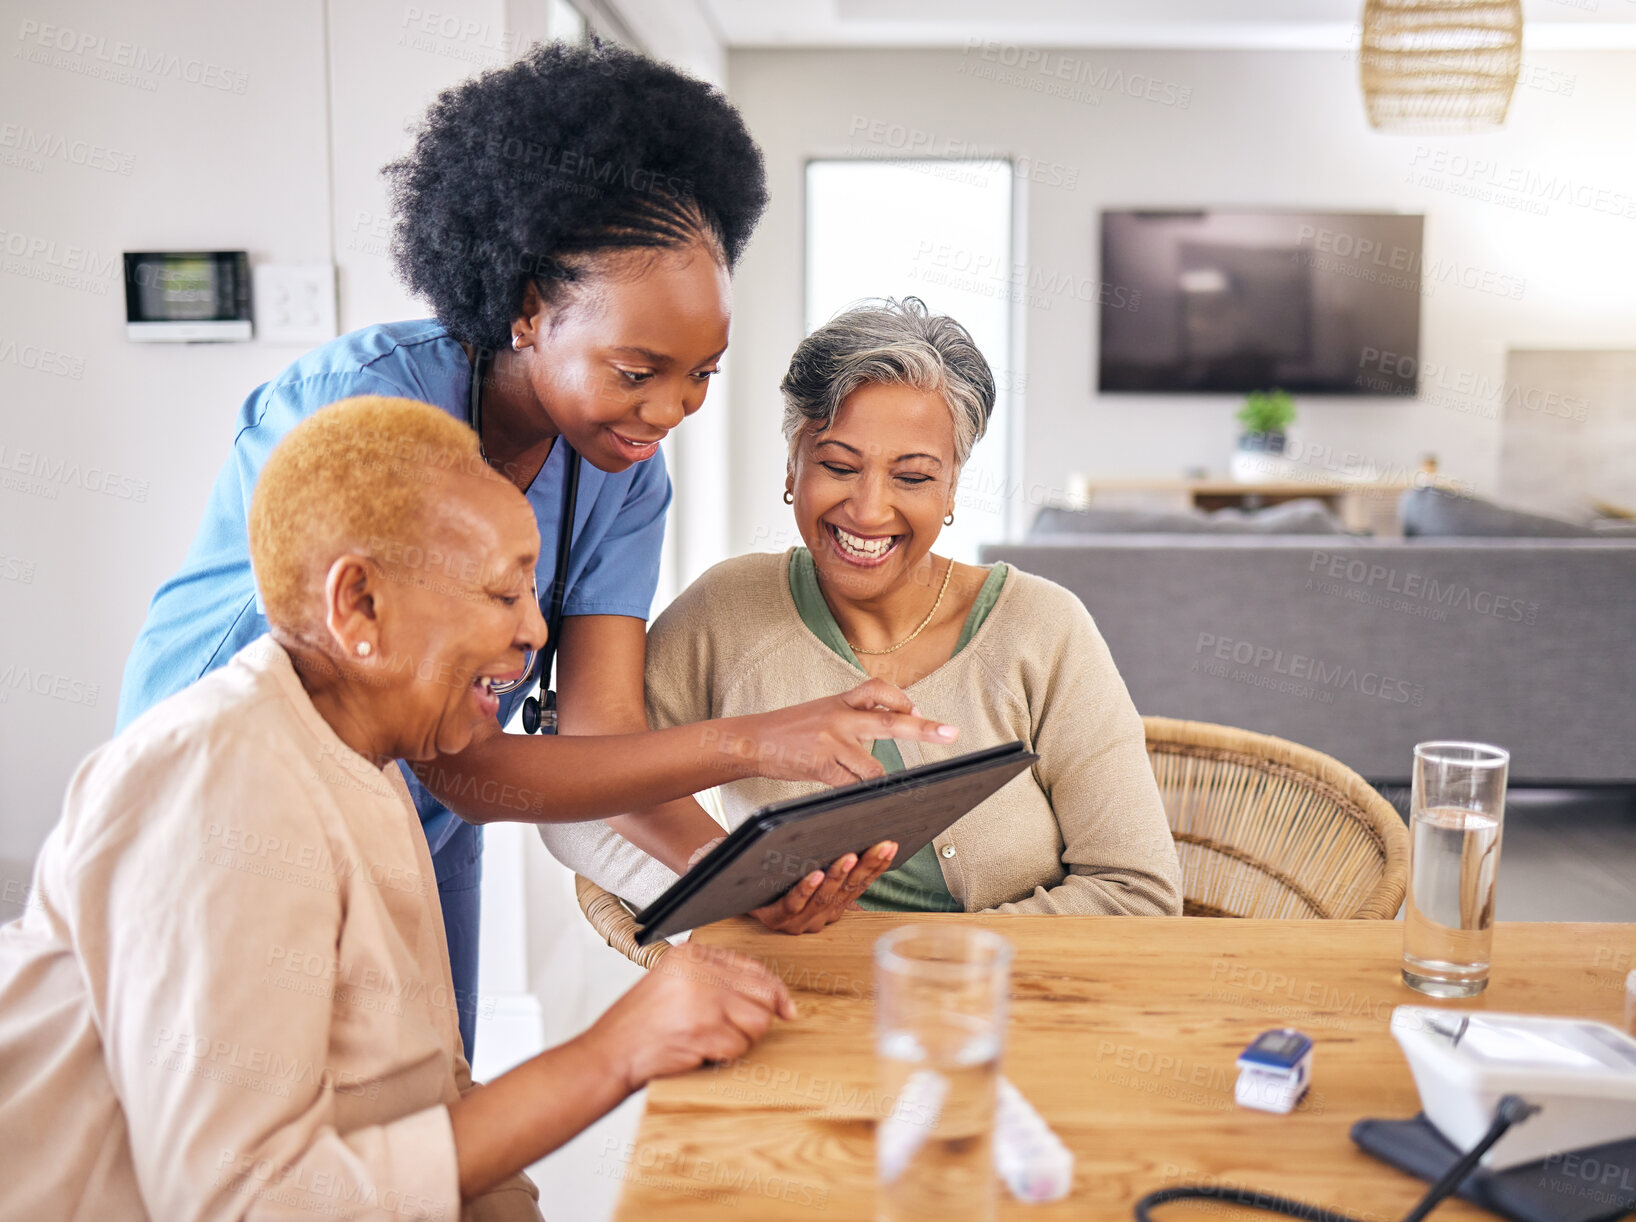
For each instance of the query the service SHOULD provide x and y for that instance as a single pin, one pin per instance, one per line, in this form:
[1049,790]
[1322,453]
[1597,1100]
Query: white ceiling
[1290,24]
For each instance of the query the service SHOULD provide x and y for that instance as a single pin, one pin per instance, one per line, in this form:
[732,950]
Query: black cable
[1511,1110]
[1247,1197]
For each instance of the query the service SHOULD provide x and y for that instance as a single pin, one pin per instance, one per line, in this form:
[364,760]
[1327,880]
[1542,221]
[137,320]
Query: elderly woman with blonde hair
[230,995]
[882,406]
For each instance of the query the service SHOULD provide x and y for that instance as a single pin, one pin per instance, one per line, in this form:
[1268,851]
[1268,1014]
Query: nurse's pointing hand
[828,740]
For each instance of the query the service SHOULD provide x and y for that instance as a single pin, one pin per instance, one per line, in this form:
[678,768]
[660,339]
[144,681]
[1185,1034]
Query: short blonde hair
[351,476]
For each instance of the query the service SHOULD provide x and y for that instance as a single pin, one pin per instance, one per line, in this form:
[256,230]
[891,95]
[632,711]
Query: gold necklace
[946,573]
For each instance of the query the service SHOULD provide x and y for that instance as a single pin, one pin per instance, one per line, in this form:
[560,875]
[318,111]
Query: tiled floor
[1565,855]
[1568,861]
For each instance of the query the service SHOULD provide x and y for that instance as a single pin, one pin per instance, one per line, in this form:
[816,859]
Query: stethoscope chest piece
[538,719]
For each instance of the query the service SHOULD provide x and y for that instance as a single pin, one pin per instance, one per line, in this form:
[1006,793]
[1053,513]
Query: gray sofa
[1362,647]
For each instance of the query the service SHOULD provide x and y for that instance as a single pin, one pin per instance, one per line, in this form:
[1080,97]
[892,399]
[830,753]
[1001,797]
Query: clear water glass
[941,1004]
[1456,814]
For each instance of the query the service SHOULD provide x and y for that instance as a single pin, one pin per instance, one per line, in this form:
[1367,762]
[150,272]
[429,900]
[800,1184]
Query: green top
[917,885]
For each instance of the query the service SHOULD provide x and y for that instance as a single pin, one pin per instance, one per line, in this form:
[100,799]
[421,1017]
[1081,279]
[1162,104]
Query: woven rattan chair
[1268,828]
[1264,828]
[614,922]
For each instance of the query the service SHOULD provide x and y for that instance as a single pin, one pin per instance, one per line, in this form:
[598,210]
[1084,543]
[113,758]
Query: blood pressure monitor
[1581,1075]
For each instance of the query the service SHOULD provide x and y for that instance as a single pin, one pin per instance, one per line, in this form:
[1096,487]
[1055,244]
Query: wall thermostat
[187,296]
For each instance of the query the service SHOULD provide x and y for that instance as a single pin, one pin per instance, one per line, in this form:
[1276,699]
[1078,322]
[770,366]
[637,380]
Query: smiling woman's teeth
[872,549]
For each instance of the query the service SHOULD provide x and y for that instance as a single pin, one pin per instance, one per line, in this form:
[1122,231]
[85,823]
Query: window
[939,230]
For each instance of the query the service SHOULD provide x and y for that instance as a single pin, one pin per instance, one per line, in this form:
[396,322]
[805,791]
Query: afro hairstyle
[523,174]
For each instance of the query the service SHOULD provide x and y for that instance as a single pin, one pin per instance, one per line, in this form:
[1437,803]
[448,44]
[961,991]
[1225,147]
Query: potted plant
[1265,415]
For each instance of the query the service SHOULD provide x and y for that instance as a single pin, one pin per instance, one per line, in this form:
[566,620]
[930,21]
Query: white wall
[1251,128]
[199,168]
[194,166]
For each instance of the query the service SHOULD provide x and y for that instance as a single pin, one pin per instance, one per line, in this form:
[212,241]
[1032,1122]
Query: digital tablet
[780,844]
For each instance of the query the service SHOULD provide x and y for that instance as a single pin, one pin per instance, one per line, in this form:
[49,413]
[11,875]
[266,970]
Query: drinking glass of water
[1456,812]
[941,995]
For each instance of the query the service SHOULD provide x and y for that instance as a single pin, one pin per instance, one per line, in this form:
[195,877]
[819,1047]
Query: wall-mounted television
[1229,301]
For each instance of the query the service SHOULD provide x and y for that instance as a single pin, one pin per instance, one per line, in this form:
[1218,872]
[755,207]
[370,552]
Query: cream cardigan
[229,994]
[1083,831]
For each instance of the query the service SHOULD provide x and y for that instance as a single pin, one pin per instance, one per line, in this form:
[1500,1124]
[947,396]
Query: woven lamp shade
[1440,65]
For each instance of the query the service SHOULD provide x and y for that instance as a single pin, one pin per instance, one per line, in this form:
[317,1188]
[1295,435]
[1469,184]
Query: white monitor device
[1582,1075]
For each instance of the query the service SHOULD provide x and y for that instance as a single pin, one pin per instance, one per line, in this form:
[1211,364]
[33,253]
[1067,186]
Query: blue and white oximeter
[1274,1071]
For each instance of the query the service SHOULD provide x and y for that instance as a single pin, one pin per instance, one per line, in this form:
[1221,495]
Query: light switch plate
[295,303]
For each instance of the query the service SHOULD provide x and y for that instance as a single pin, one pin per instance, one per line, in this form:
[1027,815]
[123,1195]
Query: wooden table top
[1124,1033]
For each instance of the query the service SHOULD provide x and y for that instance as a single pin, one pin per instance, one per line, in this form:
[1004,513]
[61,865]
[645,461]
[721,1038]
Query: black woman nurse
[572,219]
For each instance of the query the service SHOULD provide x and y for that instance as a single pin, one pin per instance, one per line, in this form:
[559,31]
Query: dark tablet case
[1582,1186]
[777,846]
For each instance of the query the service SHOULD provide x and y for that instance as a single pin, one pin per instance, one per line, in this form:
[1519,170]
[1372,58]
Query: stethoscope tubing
[538,667]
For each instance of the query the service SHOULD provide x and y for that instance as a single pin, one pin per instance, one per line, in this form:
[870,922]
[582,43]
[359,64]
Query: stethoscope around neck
[540,709]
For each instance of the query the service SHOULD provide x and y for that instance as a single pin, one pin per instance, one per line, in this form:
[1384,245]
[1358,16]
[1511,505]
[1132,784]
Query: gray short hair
[886,341]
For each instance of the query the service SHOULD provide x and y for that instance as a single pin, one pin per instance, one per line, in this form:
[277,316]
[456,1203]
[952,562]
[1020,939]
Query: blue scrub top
[206,613]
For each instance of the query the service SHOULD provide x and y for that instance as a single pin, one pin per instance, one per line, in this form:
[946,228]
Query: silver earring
[789,497]
[363,648]
[517,342]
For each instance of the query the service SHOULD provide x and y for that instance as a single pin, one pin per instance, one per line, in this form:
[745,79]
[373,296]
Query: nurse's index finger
[878,694]
[915,728]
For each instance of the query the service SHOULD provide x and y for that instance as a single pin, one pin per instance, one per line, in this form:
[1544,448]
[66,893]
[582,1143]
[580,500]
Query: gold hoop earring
[949,521]
[789,497]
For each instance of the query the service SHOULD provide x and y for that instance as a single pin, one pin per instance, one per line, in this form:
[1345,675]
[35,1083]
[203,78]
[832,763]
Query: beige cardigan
[229,995]
[1084,831]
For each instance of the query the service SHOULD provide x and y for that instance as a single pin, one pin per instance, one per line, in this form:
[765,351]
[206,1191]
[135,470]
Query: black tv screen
[1221,300]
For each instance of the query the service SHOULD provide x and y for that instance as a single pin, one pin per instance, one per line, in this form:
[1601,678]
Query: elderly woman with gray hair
[882,407]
